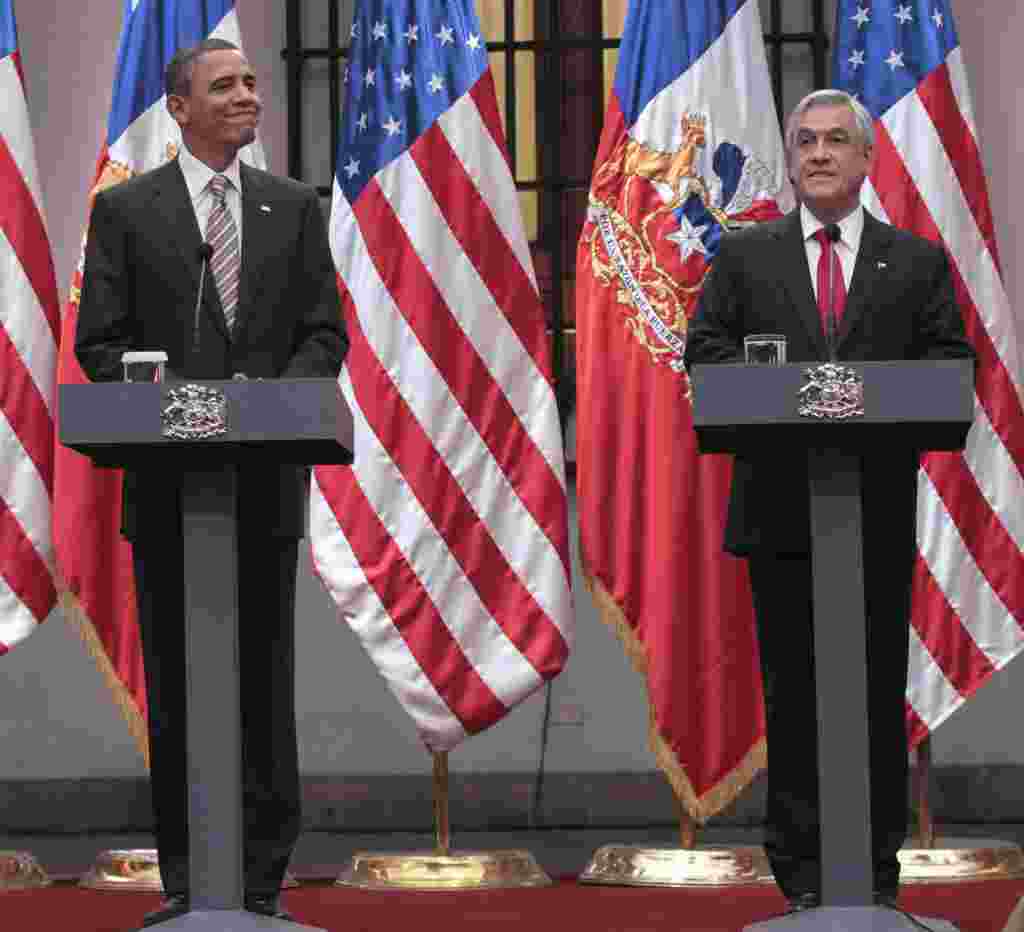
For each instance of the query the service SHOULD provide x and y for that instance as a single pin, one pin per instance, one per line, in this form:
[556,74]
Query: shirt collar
[850,227]
[198,174]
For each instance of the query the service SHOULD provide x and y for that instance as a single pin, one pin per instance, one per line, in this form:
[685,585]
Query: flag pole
[922,781]
[687,826]
[442,826]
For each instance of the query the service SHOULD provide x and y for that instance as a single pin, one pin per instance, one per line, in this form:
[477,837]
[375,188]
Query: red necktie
[834,298]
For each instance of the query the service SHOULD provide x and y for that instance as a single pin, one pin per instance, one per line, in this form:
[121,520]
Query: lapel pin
[883,265]
[265,208]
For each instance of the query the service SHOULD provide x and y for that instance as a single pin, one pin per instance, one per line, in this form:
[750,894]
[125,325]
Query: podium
[927,405]
[225,424]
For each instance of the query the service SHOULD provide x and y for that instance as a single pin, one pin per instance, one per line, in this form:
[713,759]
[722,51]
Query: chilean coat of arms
[654,223]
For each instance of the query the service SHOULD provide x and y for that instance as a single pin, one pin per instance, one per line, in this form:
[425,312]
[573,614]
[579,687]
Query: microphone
[204,252]
[833,235]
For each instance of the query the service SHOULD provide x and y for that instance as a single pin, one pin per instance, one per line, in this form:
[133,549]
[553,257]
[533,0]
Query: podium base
[229,920]
[459,870]
[19,870]
[851,919]
[956,859]
[704,866]
[135,870]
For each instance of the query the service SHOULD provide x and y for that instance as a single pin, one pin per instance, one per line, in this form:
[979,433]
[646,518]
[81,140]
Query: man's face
[829,161]
[221,112]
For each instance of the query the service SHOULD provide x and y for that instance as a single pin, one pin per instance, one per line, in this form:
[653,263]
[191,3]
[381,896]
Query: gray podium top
[927,404]
[287,421]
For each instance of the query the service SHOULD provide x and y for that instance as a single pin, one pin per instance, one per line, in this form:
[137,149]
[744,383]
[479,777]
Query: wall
[57,719]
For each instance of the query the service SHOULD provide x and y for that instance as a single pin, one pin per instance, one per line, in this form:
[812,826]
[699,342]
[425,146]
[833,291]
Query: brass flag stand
[442,868]
[927,858]
[688,865]
[19,870]
[135,870]
[934,859]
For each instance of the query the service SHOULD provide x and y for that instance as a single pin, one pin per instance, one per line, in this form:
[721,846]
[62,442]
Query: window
[553,63]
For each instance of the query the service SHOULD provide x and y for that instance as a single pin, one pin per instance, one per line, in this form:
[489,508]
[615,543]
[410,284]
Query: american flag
[95,562]
[904,62]
[445,545]
[30,318]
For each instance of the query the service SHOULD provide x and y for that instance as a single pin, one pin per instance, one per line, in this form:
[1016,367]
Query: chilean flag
[690,148]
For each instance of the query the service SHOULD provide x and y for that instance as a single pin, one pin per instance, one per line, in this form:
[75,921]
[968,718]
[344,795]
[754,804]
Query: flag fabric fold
[94,561]
[29,332]
[445,544]
[904,62]
[690,148]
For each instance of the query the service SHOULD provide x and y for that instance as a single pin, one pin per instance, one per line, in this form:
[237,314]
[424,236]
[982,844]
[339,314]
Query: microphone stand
[205,252]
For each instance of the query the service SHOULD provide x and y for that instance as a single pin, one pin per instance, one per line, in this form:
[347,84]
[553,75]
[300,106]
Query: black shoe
[266,906]
[802,902]
[175,905]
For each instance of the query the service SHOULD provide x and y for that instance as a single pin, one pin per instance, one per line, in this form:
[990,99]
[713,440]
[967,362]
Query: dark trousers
[782,590]
[272,815]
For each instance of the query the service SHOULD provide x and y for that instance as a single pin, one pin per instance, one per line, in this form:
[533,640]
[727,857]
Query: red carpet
[565,907]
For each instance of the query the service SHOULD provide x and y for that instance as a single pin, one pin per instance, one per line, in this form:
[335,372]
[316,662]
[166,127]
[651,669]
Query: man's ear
[177,107]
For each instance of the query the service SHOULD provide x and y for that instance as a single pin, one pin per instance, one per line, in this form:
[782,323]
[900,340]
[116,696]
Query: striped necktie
[222,235]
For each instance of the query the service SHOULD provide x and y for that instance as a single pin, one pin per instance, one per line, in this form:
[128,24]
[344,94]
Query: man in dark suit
[269,309]
[838,284]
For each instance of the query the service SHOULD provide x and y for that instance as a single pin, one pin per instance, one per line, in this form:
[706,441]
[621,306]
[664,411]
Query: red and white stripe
[445,545]
[968,618]
[29,336]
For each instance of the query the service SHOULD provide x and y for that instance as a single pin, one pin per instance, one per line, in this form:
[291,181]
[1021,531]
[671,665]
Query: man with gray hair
[840,285]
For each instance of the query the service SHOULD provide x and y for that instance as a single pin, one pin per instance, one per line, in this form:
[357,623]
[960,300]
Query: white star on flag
[688,237]
[436,83]
[380,30]
[895,60]
[362,121]
[352,168]
[446,35]
[369,78]
[355,30]
[473,42]
[904,15]
[404,80]
[412,34]
[857,58]
[937,17]
[861,17]
[393,127]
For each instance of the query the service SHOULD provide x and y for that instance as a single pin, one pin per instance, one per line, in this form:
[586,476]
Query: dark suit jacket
[900,305]
[139,290]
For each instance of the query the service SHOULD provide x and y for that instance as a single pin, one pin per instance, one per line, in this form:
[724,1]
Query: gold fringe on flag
[79,620]
[700,808]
